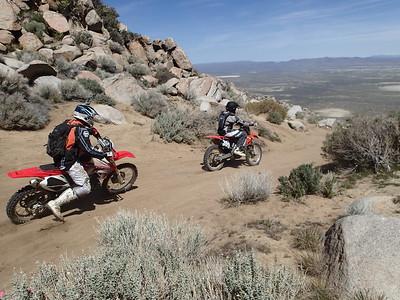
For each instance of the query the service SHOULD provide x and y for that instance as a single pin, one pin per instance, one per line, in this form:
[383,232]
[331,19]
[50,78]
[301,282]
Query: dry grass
[308,238]
[273,228]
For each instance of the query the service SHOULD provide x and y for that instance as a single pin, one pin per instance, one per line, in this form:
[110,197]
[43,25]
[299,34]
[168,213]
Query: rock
[157,45]
[205,106]
[181,60]
[30,42]
[94,22]
[67,52]
[296,125]
[47,53]
[6,37]
[99,40]
[47,39]
[109,114]
[122,88]
[171,83]
[35,69]
[328,123]
[152,81]
[201,86]
[362,252]
[176,72]
[6,69]
[68,40]
[137,50]
[88,59]
[291,114]
[85,5]
[150,53]
[44,7]
[169,44]
[8,16]
[122,27]
[89,75]
[56,21]
[3,48]
[120,60]
[48,81]
[12,63]
[183,87]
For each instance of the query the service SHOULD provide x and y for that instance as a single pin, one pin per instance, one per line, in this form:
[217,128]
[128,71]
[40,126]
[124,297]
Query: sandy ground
[172,182]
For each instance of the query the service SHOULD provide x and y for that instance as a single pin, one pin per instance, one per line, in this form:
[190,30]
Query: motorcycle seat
[48,167]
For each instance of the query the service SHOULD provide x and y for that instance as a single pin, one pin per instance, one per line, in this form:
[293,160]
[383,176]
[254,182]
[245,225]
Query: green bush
[309,238]
[150,103]
[28,56]
[304,180]
[35,27]
[247,188]
[116,47]
[138,70]
[329,185]
[20,108]
[266,107]
[67,69]
[365,142]
[71,90]
[147,257]
[275,117]
[83,37]
[107,64]
[163,75]
[91,85]
[49,92]
[104,99]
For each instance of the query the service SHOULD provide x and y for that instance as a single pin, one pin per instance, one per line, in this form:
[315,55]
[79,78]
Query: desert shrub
[329,185]
[268,134]
[266,107]
[138,70]
[116,47]
[102,74]
[71,90]
[273,228]
[163,75]
[28,56]
[91,85]
[311,263]
[107,64]
[104,99]
[360,207]
[313,119]
[20,108]
[367,295]
[150,103]
[83,37]
[275,117]
[202,123]
[67,69]
[49,92]
[134,60]
[247,188]
[309,238]
[35,27]
[365,142]
[304,180]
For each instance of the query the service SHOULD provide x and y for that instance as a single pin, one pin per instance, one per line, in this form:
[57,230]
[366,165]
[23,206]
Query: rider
[229,119]
[78,150]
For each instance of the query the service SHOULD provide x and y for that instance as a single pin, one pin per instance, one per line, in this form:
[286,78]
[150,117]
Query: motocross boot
[55,205]
[239,151]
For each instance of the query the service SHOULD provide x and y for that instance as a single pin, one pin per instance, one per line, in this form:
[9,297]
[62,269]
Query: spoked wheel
[211,159]
[122,181]
[26,205]
[253,154]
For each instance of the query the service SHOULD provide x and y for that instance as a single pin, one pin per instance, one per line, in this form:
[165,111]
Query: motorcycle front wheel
[253,154]
[210,159]
[128,173]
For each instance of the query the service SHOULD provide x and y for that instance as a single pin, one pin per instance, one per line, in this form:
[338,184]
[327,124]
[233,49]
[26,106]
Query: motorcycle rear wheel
[129,174]
[209,159]
[253,154]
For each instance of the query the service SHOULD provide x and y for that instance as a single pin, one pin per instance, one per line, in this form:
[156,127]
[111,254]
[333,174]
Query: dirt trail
[171,181]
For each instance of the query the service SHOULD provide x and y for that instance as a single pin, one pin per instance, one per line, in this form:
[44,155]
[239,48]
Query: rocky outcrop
[67,52]
[293,111]
[6,37]
[52,81]
[56,21]
[181,60]
[30,42]
[122,88]
[36,69]
[362,252]
[109,115]
[8,16]
[93,21]
[137,50]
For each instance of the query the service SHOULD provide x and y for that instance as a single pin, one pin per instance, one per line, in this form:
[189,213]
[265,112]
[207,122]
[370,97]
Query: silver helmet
[85,113]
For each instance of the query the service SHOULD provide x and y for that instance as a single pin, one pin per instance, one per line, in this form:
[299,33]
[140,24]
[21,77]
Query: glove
[94,132]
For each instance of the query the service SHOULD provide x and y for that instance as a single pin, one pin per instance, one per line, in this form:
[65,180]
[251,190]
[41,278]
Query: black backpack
[56,143]
[221,122]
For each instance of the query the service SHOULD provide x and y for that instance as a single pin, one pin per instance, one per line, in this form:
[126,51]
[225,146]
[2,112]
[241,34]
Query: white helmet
[85,113]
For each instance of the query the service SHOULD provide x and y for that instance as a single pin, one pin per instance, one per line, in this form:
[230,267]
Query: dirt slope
[171,181]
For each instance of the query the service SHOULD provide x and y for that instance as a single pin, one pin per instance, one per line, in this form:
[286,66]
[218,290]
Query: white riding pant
[239,135]
[80,178]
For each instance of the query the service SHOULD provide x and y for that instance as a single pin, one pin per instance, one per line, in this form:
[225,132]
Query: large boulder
[327,123]
[109,114]
[176,72]
[7,70]
[6,37]
[35,69]
[122,88]
[137,50]
[292,112]
[171,83]
[150,80]
[12,62]
[205,106]
[362,252]
[181,60]
[297,125]
[30,42]
[8,16]
[183,87]
[56,21]
[89,75]
[67,52]
[47,53]
[201,86]
[52,81]
[94,22]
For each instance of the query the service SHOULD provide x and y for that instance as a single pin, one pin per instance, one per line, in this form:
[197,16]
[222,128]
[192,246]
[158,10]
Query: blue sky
[234,30]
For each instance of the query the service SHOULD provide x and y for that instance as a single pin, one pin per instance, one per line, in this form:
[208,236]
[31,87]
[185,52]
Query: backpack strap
[71,138]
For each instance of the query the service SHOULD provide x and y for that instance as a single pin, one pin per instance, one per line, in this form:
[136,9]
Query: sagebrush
[150,103]
[267,107]
[71,90]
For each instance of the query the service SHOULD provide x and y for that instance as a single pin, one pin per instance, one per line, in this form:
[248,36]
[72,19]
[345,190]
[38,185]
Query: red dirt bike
[222,150]
[30,201]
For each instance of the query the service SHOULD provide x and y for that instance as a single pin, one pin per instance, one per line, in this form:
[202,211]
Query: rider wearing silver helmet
[78,150]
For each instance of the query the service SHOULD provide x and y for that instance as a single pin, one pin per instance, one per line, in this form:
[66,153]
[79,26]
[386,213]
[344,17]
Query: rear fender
[123,154]
[33,172]
[216,139]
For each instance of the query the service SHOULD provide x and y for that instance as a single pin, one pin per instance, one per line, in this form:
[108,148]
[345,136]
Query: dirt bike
[223,148]
[49,182]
